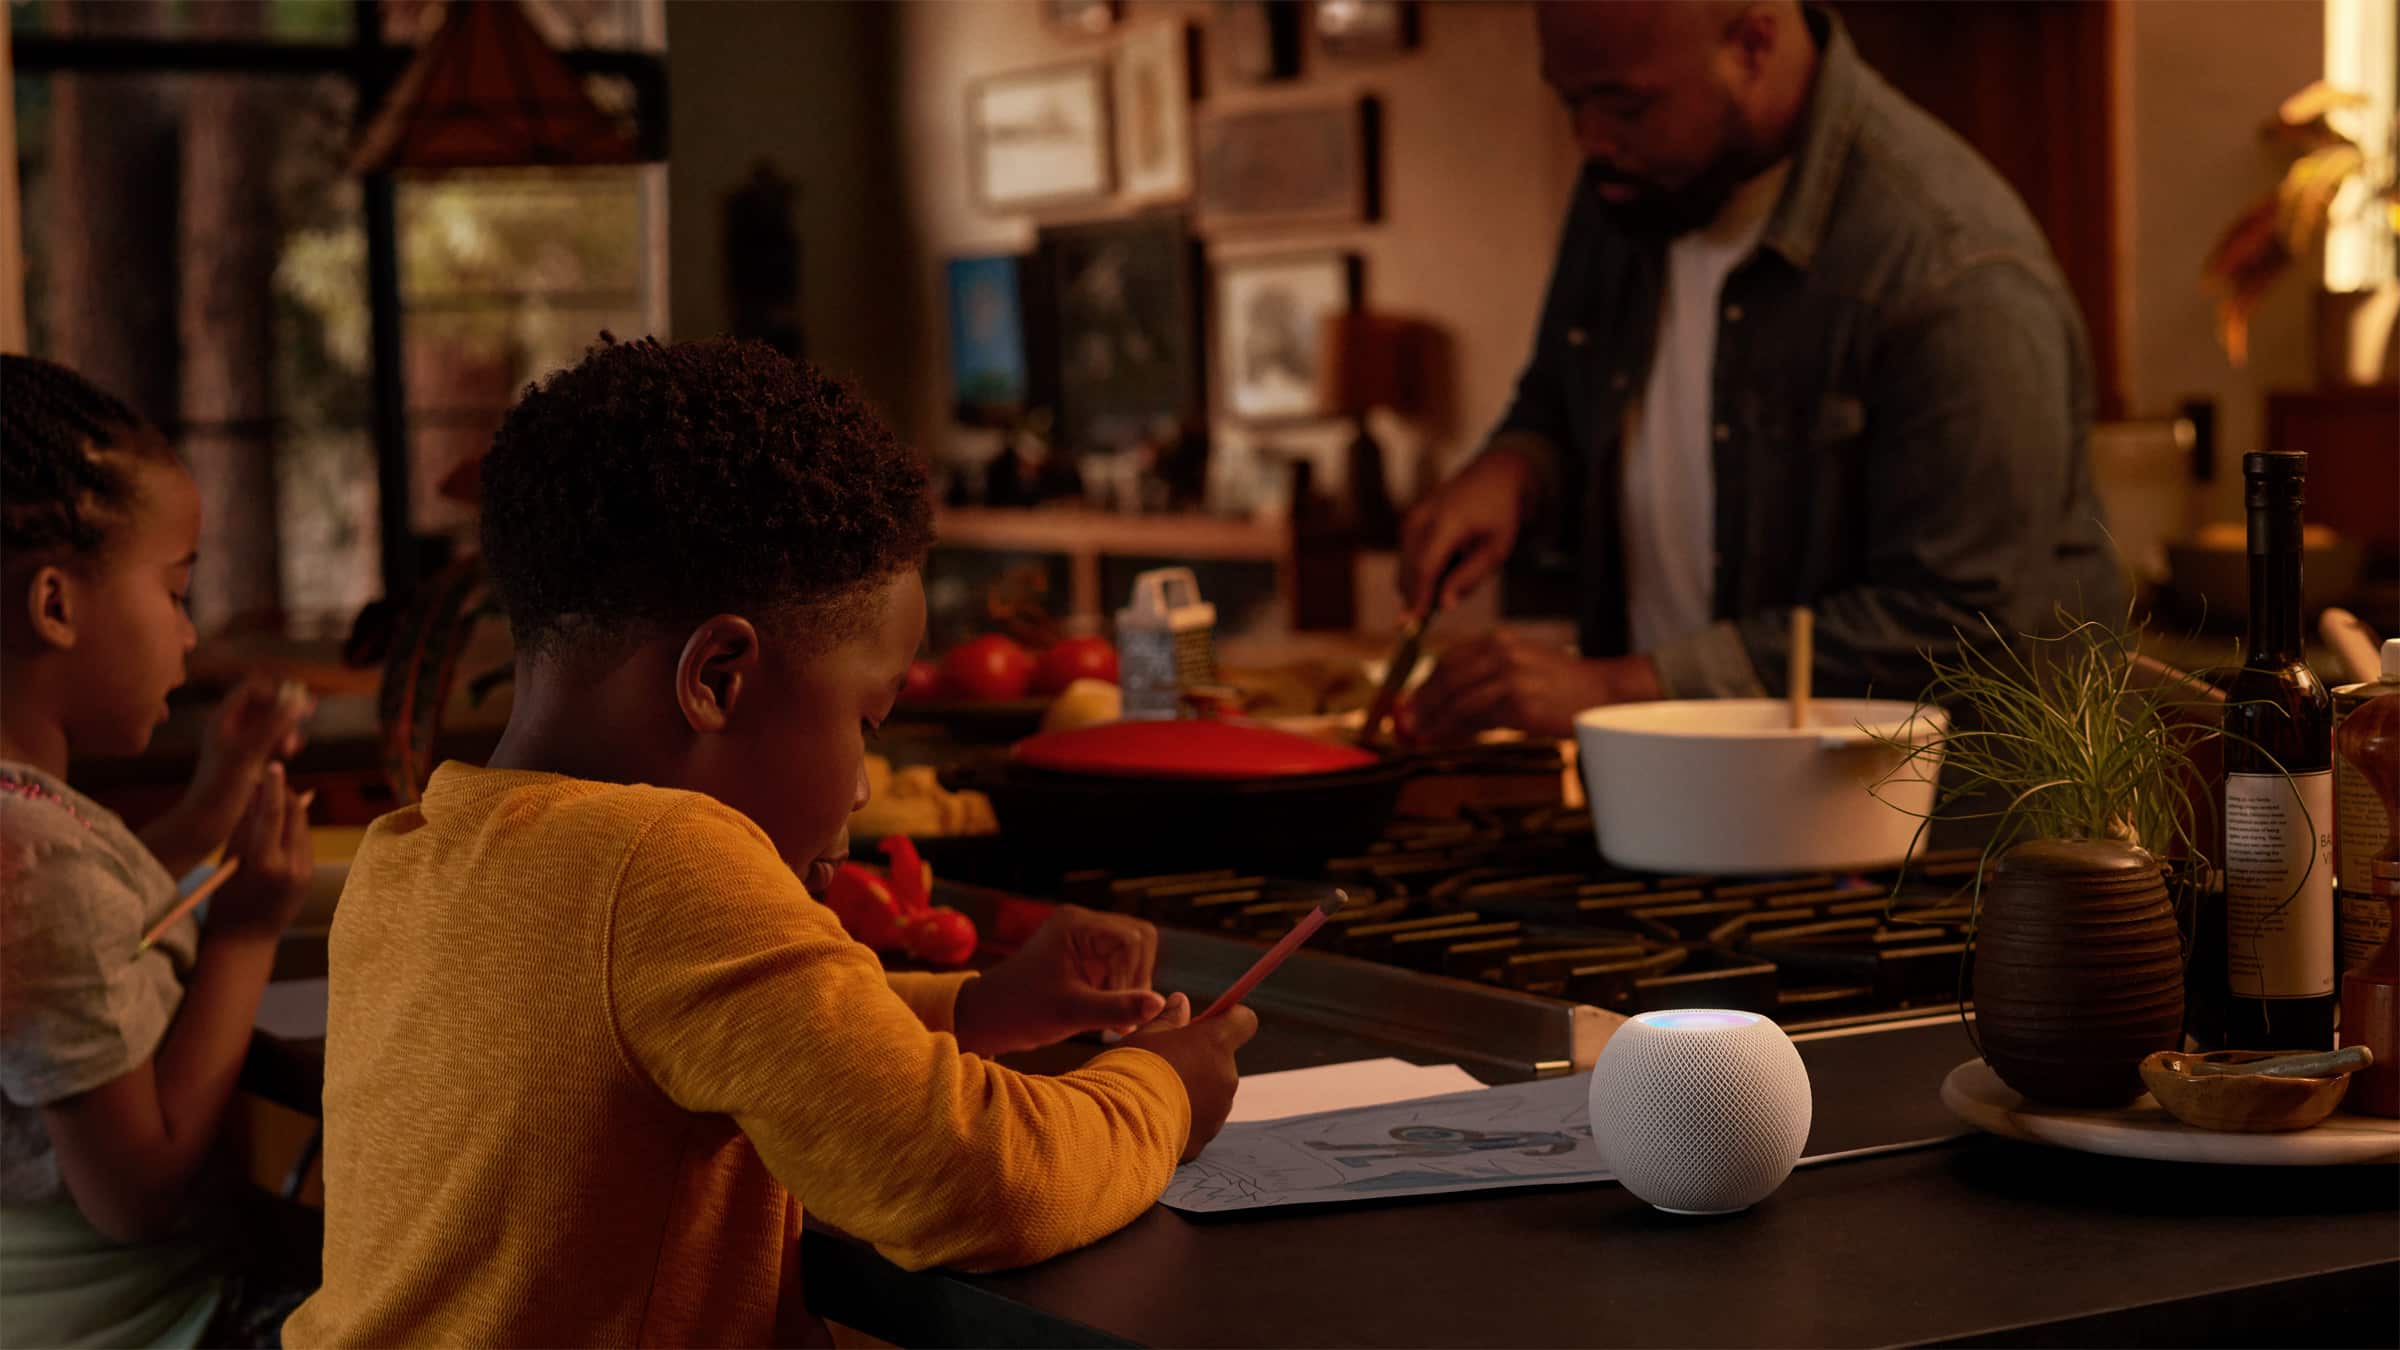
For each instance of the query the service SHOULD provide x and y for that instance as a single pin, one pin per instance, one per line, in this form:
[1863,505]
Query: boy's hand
[277,860]
[1082,971]
[1202,1056]
[258,723]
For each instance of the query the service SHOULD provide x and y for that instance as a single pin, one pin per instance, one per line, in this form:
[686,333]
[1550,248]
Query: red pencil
[1265,965]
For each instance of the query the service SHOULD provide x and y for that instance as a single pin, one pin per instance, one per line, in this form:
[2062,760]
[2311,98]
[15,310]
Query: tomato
[988,667]
[941,936]
[1072,659]
[924,681]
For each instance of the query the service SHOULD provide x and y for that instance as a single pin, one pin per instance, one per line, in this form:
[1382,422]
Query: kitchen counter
[1974,1239]
[1952,1238]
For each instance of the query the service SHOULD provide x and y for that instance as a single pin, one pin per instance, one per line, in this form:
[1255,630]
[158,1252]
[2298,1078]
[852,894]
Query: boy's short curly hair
[650,486]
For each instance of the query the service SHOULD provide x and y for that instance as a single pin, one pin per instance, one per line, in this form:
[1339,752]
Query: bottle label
[2366,920]
[2279,884]
[2362,830]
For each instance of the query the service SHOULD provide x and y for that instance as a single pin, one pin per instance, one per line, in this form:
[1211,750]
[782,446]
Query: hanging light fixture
[488,92]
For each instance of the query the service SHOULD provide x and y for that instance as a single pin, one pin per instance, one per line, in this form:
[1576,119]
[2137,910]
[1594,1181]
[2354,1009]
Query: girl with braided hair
[118,1053]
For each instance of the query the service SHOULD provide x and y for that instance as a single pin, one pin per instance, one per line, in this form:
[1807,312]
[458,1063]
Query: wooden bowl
[2246,1102]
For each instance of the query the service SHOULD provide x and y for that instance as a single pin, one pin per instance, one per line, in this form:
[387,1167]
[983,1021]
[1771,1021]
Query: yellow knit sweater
[580,1033]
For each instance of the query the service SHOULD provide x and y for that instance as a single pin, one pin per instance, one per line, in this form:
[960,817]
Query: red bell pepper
[862,899]
[895,912]
[941,936]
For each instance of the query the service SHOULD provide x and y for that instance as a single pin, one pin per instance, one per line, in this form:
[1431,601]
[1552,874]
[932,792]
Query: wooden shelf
[1074,529]
[1086,536]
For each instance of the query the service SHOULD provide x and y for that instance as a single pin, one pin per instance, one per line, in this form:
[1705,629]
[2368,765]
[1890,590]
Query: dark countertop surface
[1972,1239]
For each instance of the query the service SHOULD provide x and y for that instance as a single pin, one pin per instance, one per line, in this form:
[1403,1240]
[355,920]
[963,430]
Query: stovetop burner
[1521,899]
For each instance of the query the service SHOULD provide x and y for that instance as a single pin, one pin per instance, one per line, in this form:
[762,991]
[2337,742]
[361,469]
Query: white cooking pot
[1730,786]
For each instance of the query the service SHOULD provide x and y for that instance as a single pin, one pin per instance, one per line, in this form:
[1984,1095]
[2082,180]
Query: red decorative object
[487,92]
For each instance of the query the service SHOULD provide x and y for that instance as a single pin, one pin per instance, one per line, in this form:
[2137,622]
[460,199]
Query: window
[194,243]
[171,254]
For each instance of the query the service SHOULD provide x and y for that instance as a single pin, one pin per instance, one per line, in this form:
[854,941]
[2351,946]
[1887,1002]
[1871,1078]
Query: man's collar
[1828,124]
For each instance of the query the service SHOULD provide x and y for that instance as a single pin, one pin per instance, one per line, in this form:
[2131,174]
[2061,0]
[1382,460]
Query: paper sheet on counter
[1523,1134]
[293,1009]
[1336,1087]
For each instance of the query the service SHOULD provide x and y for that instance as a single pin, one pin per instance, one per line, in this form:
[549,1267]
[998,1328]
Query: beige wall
[865,105]
[2194,80]
[806,86]
[1477,167]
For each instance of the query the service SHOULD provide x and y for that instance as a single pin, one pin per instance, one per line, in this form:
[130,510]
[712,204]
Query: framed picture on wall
[1269,321]
[990,375]
[1084,18]
[1040,137]
[1123,330]
[1313,163]
[1154,113]
[1363,30]
[1253,42]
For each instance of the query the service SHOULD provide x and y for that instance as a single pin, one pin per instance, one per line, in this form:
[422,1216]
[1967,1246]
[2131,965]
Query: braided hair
[64,451]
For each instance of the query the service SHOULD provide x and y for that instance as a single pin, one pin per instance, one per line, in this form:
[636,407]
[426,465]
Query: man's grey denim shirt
[1903,406]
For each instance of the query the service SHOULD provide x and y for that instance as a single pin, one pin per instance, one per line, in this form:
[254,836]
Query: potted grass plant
[2076,752]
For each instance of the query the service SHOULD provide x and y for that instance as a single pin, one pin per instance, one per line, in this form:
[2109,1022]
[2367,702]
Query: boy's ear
[50,604]
[719,662]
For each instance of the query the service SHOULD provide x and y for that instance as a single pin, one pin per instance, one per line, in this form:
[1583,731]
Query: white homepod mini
[1700,1110]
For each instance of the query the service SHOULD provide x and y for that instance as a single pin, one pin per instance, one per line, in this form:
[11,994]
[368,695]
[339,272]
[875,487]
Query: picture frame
[1253,42]
[1294,164]
[1082,18]
[1363,30]
[1153,98]
[1268,312]
[1119,314]
[1041,137]
[991,370]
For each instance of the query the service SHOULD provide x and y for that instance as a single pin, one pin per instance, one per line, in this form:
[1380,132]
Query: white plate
[1977,1096]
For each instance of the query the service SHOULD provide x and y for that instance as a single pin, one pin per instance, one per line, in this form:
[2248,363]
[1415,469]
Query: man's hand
[1504,680]
[1081,972]
[1473,518]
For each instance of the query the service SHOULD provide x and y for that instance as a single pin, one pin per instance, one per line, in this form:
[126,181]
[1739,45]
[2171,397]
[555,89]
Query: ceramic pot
[2078,970]
[1730,786]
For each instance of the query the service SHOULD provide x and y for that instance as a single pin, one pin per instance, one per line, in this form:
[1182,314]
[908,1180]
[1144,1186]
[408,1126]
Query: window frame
[372,64]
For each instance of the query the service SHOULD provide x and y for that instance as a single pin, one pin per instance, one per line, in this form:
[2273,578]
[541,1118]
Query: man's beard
[1662,212]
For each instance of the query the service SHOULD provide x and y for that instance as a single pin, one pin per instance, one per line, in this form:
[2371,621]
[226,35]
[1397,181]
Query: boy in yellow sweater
[592,1047]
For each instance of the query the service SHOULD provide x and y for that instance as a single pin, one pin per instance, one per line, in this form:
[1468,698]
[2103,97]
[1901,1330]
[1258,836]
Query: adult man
[1802,346]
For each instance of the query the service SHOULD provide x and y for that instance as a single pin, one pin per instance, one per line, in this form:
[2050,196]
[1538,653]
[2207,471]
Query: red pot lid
[1211,749]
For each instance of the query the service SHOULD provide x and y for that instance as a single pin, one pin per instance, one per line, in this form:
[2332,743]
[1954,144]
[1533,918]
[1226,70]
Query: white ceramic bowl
[1730,786]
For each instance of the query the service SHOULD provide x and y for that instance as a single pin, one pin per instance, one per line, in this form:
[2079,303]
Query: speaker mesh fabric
[1700,1119]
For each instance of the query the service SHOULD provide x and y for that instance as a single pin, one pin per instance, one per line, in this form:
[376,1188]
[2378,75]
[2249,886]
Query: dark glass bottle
[2278,935]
